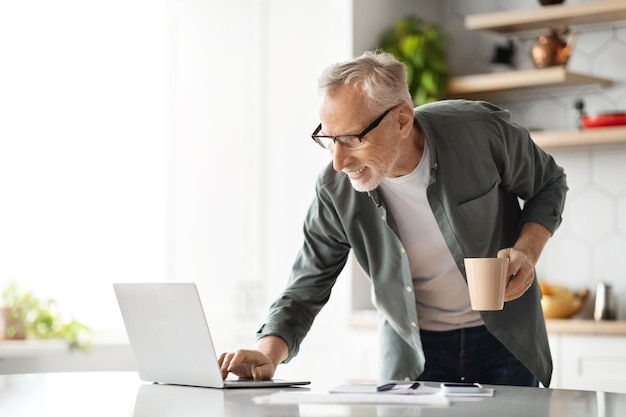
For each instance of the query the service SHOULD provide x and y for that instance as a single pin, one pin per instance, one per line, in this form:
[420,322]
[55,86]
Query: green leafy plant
[422,48]
[28,317]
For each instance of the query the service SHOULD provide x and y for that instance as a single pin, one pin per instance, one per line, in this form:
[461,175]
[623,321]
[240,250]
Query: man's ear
[405,119]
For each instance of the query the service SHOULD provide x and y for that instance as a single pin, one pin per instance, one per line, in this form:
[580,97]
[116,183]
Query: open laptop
[170,338]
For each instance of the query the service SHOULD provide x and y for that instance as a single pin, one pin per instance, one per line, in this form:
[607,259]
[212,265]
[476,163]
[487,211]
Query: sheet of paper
[403,389]
[290,397]
[487,392]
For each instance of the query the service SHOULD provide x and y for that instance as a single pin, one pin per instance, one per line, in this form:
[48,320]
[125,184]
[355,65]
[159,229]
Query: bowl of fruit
[560,302]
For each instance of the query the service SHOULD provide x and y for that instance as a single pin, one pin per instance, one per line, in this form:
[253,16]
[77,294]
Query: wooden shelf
[522,79]
[593,12]
[583,137]
[541,18]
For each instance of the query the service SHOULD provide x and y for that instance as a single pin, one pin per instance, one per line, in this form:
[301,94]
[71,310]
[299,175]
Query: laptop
[170,338]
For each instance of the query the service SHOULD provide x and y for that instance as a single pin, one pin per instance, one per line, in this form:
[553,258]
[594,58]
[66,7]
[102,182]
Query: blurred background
[147,140]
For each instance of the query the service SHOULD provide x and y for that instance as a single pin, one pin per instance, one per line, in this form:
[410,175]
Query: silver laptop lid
[170,338]
[168,333]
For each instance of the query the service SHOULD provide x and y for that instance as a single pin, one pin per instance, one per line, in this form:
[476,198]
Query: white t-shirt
[441,294]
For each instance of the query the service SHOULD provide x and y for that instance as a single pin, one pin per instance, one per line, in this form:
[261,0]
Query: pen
[385,387]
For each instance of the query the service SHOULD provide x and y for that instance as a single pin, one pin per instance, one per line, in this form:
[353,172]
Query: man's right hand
[246,364]
[258,364]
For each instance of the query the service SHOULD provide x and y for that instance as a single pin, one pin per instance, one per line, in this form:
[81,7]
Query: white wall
[238,209]
[82,149]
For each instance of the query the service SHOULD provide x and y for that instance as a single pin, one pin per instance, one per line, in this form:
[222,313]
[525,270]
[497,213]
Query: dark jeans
[471,355]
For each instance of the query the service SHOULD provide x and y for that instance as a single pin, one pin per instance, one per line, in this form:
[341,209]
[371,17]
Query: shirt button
[409,288]
[382,218]
[407,379]
[402,250]
[413,324]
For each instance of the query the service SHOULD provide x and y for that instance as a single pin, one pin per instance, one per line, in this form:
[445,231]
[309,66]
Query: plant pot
[11,328]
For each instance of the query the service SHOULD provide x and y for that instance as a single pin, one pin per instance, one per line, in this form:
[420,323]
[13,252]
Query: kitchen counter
[106,394]
[368,319]
[23,356]
[586,327]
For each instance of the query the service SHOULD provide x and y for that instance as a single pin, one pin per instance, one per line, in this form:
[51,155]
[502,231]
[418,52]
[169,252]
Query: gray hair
[378,75]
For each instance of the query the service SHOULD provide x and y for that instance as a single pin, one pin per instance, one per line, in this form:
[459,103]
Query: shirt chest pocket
[480,217]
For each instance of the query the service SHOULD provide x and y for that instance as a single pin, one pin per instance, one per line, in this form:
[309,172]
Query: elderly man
[412,192]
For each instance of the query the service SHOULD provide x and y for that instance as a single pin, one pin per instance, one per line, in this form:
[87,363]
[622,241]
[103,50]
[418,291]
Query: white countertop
[122,394]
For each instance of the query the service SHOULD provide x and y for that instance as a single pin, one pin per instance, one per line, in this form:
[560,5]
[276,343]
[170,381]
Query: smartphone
[461,387]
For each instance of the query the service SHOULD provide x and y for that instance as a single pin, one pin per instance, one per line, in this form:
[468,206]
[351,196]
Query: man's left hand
[521,273]
[523,257]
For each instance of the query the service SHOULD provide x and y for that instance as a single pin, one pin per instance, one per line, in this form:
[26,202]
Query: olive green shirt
[482,165]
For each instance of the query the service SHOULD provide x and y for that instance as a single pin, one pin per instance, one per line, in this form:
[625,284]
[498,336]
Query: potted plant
[26,316]
[422,48]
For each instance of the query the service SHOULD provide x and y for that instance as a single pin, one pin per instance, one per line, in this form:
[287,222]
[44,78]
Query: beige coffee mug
[487,279]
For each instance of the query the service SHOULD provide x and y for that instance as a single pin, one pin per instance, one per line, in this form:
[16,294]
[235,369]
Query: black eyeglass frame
[344,140]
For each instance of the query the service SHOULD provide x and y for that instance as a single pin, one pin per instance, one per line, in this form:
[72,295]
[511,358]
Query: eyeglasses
[347,141]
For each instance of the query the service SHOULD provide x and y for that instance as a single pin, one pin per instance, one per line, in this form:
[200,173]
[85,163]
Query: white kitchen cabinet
[589,361]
